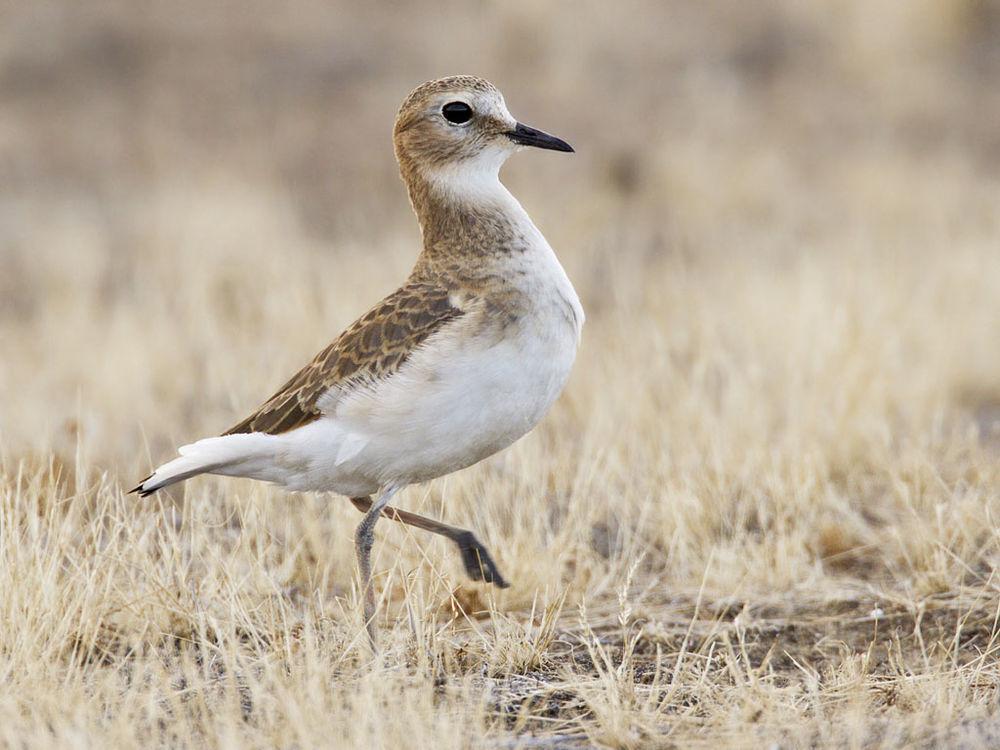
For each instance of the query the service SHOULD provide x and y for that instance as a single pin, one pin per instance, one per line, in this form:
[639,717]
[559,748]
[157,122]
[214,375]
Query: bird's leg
[476,558]
[364,538]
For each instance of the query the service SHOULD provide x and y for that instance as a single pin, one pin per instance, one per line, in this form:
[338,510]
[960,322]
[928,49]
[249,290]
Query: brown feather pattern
[374,347]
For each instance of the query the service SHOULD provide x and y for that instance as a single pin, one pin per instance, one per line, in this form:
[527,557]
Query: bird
[458,363]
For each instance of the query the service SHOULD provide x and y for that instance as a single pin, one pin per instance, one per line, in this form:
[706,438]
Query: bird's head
[457,131]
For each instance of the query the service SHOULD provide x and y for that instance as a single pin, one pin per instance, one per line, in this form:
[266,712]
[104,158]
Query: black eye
[457,112]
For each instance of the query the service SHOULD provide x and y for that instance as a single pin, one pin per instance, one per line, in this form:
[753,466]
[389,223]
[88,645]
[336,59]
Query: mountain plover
[458,363]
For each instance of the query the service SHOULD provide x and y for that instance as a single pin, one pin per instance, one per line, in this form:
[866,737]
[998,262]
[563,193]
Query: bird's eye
[457,112]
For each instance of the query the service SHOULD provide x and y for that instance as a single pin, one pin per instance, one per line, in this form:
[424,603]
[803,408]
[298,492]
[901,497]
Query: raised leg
[364,538]
[477,559]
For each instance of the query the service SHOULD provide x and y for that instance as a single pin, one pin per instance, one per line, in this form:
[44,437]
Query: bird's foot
[478,561]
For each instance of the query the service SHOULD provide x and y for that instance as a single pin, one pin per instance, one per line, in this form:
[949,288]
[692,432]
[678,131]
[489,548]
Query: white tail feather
[245,455]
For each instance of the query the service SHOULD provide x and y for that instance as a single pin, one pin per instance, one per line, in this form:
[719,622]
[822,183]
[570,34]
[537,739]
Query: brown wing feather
[373,347]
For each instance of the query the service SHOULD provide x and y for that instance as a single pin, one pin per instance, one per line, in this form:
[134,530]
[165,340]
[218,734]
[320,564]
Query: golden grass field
[763,514]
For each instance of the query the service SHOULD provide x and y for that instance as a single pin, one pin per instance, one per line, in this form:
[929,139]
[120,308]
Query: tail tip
[141,490]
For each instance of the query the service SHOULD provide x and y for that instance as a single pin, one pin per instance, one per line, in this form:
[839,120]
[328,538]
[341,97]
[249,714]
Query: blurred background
[783,220]
[195,196]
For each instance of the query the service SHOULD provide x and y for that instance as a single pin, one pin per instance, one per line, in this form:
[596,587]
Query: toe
[479,563]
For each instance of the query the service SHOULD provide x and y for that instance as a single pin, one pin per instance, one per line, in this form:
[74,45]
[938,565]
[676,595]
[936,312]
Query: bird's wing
[373,348]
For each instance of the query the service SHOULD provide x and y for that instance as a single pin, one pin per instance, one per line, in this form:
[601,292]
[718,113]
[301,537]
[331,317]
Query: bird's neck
[465,214]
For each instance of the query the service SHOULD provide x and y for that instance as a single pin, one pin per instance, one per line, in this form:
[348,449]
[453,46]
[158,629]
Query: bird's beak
[525,136]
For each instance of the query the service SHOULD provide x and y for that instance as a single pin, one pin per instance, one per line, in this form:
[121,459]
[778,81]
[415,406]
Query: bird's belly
[436,418]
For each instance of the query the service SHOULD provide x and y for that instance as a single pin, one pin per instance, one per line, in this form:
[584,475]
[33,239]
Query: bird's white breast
[469,391]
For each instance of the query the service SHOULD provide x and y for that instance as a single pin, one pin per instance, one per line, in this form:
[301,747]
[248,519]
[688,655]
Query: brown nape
[458,237]
[373,348]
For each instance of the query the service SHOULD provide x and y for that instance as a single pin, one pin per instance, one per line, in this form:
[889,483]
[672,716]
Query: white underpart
[466,393]
[462,396]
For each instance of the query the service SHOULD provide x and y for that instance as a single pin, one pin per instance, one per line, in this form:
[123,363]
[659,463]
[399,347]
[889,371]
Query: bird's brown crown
[451,120]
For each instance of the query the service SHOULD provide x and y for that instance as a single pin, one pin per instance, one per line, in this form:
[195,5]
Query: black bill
[525,136]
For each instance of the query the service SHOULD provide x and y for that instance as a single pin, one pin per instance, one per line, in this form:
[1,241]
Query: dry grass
[765,510]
